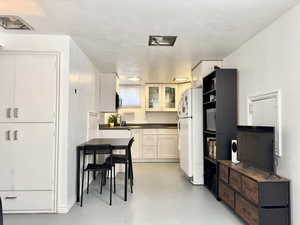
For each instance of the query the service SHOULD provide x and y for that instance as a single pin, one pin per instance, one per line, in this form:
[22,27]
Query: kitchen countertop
[130,126]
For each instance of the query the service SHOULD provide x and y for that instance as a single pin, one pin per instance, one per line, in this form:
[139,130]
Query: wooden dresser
[256,197]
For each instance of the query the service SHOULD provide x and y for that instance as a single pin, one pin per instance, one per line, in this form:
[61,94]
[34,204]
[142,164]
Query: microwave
[211,119]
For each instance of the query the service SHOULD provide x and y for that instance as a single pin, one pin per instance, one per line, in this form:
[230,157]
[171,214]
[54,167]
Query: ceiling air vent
[156,40]
[14,23]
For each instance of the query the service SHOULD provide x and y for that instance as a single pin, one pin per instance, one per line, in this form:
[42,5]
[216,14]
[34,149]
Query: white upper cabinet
[107,92]
[35,93]
[28,88]
[153,97]
[169,97]
[204,68]
[161,97]
[7,87]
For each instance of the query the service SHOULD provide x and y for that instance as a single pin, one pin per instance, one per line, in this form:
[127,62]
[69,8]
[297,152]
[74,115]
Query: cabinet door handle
[8,135]
[8,113]
[16,112]
[15,135]
[10,197]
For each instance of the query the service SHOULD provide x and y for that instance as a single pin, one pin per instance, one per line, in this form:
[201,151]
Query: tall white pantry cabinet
[28,105]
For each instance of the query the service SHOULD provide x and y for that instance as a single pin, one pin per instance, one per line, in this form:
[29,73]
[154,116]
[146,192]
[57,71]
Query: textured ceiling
[114,33]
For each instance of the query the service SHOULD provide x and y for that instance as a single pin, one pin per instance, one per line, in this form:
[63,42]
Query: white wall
[82,80]
[270,61]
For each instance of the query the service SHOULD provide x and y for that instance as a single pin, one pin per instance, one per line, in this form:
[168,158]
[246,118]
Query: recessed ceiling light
[134,79]
[157,40]
[14,23]
[180,79]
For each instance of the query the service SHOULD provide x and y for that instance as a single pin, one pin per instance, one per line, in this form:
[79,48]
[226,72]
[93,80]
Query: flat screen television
[256,147]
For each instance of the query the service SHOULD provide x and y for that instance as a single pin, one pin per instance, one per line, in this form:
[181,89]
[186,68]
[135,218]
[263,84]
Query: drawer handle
[8,135]
[8,113]
[15,135]
[11,197]
[16,112]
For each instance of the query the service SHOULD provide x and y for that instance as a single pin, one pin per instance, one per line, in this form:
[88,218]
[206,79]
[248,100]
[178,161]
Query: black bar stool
[93,167]
[125,159]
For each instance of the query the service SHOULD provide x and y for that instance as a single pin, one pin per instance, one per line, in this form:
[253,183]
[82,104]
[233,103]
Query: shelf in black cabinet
[222,82]
[211,160]
[206,103]
[209,92]
[209,132]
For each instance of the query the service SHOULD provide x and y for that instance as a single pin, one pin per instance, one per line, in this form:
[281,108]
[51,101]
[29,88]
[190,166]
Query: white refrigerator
[190,130]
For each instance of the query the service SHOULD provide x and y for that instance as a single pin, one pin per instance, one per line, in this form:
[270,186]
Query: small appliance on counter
[190,134]
[123,123]
[234,152]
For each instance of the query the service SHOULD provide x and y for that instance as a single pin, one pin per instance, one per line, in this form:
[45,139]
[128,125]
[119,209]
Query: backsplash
[140,116]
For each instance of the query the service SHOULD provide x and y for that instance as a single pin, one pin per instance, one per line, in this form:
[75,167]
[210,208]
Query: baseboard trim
[5,212]
[64,209]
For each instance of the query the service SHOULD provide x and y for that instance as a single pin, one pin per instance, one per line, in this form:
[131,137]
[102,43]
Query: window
[265,110]
[130,95]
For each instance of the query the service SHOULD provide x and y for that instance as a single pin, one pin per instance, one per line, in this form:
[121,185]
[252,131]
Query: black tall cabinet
[219,120]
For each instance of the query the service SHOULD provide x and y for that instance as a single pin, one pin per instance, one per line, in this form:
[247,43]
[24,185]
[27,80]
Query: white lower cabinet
[27,167]
[150,145]
[27,201]
[114,133]
[149,139]
[136,146]
[159,145]
[149,152]
[167,147]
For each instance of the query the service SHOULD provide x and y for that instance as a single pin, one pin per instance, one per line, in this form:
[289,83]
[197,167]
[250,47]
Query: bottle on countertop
[119,120]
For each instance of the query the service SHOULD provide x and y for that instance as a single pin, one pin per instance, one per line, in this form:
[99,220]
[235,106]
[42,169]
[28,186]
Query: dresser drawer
[246,210]
[250,189]
[224,173]
[235,180]
[226,194]
[27,200]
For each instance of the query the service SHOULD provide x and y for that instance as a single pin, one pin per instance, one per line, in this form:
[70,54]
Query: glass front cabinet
[169,97]
[161,97]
